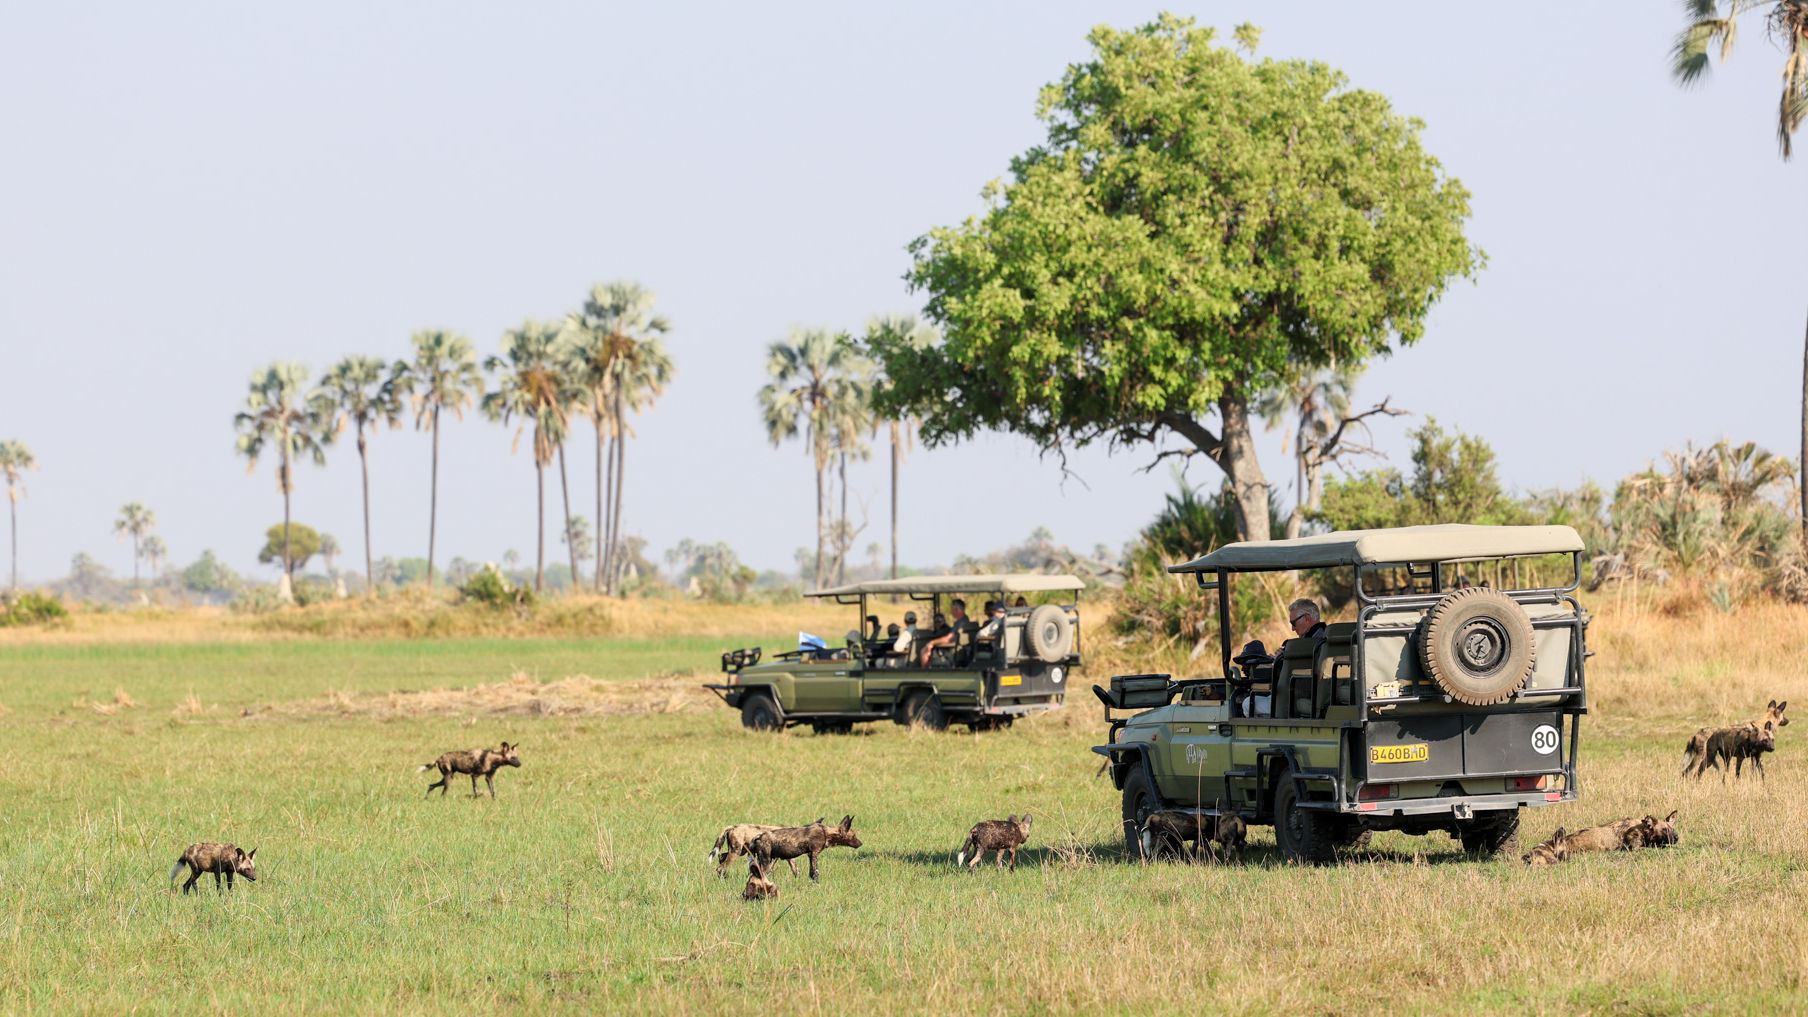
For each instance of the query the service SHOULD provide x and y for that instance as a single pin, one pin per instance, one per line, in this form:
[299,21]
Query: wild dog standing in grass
[1168,832]
[997,836]
[737,840]
[1695,752]
[210,856]
[1550,852]
[476,762]
[790,842]
[1735,745]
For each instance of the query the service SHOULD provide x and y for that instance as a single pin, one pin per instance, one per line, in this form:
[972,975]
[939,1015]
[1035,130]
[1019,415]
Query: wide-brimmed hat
[1252,650]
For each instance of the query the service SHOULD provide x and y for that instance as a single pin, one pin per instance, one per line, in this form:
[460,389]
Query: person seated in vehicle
[943,634]
[1022,601]
[1258,667]
[992,629]
[904,642]
[1302,615]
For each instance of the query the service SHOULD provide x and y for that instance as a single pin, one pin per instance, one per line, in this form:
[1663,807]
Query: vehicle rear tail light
[1553,796]
[1528,783]
[1371,792]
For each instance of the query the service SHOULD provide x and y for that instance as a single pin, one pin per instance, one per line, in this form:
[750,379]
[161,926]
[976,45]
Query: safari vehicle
[1447,705]
[983,684]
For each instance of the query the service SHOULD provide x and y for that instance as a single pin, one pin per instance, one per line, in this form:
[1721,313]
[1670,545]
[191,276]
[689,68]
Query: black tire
[1140,802]
[1477,645]
[1305,836]
[925,708]
[1049,634]
[760,713]
[1487,839]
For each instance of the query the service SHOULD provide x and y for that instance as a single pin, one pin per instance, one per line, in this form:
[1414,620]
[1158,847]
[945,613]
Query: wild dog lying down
[1168,832]
[1735,745]
[737,840]
[476,762]
[210,856]
[1619,835]
[997,836]
[1550,852]
[759,888]
[1695,752]
[792,841]
[1660,833]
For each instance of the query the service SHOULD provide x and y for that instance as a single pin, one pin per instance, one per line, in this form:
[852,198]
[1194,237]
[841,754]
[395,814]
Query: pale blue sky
[193,190]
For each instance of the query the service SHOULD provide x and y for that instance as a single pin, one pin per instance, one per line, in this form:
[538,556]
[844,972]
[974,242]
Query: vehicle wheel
[1049,633]
[760,713]
[1477,645]
[1140,803]
[1492,837]
[1304,835]
[925,708]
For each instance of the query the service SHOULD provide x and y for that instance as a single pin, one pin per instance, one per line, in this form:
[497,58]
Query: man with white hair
[1302,617]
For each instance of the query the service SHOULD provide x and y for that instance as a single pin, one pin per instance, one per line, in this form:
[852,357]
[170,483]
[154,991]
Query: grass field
[583,886]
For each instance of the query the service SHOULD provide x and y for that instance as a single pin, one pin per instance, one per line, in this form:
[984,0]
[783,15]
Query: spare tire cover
[1477,645]
[1049,633]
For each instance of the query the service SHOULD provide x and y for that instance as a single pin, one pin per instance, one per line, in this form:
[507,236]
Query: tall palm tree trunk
[621,472]
[571,546]
[842,539]
[602,524]
[1802,466]
[433,500]
[135,556]
[15,514]
[821,467]
[288,569]
[370,572]
[894,499]
[540,525]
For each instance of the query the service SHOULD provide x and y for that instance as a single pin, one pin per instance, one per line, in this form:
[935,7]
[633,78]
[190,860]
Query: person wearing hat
[1254,653]
[907,638]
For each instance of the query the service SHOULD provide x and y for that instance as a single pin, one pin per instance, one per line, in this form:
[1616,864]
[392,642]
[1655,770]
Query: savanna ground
[583,886]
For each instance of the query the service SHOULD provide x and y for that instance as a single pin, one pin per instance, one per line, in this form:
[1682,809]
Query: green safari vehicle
[1451,702]
[984,680]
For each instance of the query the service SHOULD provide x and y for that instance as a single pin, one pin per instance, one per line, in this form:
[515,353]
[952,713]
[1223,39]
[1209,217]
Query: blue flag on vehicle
[806,641]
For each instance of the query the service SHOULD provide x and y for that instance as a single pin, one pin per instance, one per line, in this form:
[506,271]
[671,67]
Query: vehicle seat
[1331,671]
[1294,693]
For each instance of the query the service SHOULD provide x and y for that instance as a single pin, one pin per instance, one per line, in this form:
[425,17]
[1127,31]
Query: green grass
[583,886]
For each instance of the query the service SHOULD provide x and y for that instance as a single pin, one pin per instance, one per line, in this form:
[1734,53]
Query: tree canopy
[303,543]
[1197,229]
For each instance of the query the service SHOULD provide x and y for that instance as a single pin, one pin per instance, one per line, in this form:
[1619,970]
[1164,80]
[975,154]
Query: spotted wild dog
[217,858]
[759,888]
[736,841]
[997,836]
[1737,744]
[1695,752]
[1167,833]
[1232,834]
[1661,832]
[1619,835]
[793,841]
[1551,852]
[476,762]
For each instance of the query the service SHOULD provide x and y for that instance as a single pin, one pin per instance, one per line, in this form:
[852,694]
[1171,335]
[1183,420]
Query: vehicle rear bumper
[1447,804]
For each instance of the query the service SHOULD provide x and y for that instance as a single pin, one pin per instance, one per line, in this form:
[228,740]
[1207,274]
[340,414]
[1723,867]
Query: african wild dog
[1550,852]
[1619,835]
[737,840]
[1695,752]
[476,762]
[997,836]
[1737,744]
[759,888]
[1661,832]
[210,856]
[792,841]
[1169,832]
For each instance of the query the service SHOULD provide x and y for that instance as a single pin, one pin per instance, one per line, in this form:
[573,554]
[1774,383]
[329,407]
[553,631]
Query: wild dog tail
[716,848]
[175,869]
[424,768]
[960,857]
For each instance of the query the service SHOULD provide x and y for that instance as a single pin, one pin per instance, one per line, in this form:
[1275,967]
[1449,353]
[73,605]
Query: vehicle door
[1196,756]
[826,686]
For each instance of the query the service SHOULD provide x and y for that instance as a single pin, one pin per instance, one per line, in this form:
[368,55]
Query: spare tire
[1477,645]
[1049,633]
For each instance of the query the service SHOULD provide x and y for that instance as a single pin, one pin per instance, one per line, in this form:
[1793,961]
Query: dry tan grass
[518,696]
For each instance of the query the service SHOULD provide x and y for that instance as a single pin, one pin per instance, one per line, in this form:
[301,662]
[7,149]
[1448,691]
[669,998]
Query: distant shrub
[490,587]
[30,608]
[257,600]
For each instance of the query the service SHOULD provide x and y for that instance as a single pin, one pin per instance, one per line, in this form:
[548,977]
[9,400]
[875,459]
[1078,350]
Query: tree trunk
[621,473]
[433,500]
[1297,516]
[820,467]
[894,499]
[602,522]
[1236,454]
[539,526]
[842,537]
[1802,464]
[13,501]
[370,572]
[288,568]
[135,556]
[571,547]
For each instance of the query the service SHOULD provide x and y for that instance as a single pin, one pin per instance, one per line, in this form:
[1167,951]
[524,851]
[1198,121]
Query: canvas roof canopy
[1021,582]
[1441,542]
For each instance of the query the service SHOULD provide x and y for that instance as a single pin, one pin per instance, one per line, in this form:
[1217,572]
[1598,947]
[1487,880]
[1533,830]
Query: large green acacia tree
[1199,228]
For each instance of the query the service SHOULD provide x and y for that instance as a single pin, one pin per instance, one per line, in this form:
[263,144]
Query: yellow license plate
[1010,679]
[1399,753]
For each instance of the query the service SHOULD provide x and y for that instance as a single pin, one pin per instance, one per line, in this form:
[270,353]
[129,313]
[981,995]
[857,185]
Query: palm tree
[532,389]
[1315,403]
[359,390]
[809,389]
[443,376]
[616,357]
[278,412]
[155,552]
[137,522]
[1786,21]
[851,418]
[15,459]
[904,328]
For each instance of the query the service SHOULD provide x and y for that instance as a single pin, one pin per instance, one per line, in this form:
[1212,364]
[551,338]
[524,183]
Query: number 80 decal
[1544,739]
